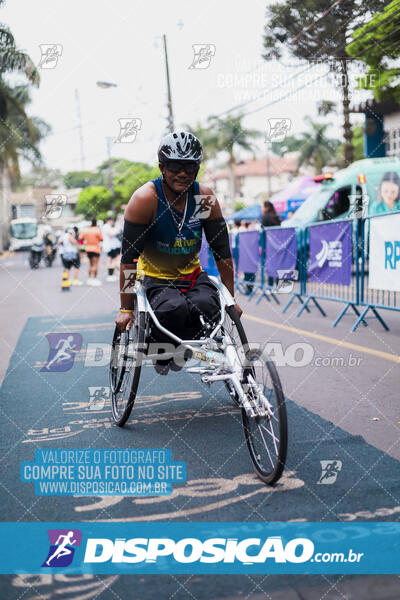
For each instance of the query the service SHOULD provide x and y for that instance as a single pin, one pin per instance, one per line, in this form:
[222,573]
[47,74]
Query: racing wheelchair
[250,378]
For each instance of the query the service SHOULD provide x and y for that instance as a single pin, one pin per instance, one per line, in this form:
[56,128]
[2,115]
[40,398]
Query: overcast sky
[119,41]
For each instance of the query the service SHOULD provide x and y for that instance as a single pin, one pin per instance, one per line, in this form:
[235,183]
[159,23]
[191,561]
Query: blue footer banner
[218,548]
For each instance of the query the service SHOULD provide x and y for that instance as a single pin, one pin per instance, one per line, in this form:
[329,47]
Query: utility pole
[268,172]
[110,172]
[169,103]
[80,133]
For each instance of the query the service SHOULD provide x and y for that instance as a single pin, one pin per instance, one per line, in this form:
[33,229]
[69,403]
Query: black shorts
[92,254]
[114,252]
[73,262]
[179,311]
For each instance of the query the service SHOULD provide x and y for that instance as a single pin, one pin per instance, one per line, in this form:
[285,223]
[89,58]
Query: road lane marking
[324,338]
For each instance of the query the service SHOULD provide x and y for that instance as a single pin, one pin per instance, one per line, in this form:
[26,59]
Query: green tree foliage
[132,179]
[358,142]
[313,30]
[80,179]
[377,45]
[316,148]
[20,134]
[93,201]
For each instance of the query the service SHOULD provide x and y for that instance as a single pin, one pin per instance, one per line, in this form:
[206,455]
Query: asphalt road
[342,405]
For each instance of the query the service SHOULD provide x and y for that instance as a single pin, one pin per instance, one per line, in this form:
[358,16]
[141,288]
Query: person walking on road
[112,246]
[92,237]
[70,254]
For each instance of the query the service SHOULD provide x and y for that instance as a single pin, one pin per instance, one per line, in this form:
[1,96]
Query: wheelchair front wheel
[127,353]
[266,433]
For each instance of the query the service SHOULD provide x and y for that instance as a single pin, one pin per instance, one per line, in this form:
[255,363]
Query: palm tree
[230,135]
[225,135]
[316,149]
[19,134]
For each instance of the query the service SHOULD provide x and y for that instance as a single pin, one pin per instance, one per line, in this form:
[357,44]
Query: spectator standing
[92,237]
[269,218]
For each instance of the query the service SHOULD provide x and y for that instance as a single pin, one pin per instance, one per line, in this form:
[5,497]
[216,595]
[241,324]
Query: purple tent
[294,194]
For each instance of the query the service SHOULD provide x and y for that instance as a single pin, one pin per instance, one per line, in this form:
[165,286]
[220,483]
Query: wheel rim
[263,433]
[123,372]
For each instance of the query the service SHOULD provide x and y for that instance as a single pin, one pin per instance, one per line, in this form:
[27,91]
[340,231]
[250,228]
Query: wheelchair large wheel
[266,433]
[266,436]
[128,349]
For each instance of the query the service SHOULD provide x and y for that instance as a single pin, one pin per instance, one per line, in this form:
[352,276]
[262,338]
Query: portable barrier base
[305,306]
[377,315]
[266,292]
[300,299]
[343,312]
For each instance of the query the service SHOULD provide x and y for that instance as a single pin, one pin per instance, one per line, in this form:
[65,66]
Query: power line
[284,97]
[271,90]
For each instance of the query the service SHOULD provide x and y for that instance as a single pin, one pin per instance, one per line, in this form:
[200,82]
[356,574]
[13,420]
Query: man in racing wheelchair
[164,224]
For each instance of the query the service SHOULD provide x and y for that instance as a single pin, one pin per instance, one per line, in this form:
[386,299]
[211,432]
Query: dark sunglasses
[190,168]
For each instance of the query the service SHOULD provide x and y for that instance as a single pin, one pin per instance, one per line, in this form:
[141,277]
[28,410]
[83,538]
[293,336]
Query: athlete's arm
[139,214]
[216,233]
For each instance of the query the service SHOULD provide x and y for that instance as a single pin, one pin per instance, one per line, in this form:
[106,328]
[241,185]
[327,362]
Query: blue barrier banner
[281,250]
[249,251]
[217,548]
[203,254]
[330,253]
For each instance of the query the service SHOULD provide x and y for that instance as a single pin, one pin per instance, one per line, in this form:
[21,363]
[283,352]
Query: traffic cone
[65,283]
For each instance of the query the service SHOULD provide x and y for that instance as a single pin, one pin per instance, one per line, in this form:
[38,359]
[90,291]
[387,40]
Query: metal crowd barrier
[373,298]
[339,271]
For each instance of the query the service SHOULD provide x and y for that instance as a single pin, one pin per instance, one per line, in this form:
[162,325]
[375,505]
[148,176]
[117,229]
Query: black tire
[267,437]
[272,472]
[125,368]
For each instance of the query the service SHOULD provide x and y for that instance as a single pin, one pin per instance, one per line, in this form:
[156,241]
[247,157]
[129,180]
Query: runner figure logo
[330,470]
[50,55]
[278,130]
[63,347]
[128,286]
[204,203]
[54,205]
[286,280]
[203,54]
[128,129]
[98,397]
[63,543]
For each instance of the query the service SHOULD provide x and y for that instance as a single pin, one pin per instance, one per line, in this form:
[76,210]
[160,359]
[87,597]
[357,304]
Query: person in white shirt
[112,247]
[70,254]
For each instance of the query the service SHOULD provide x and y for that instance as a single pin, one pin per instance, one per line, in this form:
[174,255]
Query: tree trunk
[232,180]
[348,134]
[5,215]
